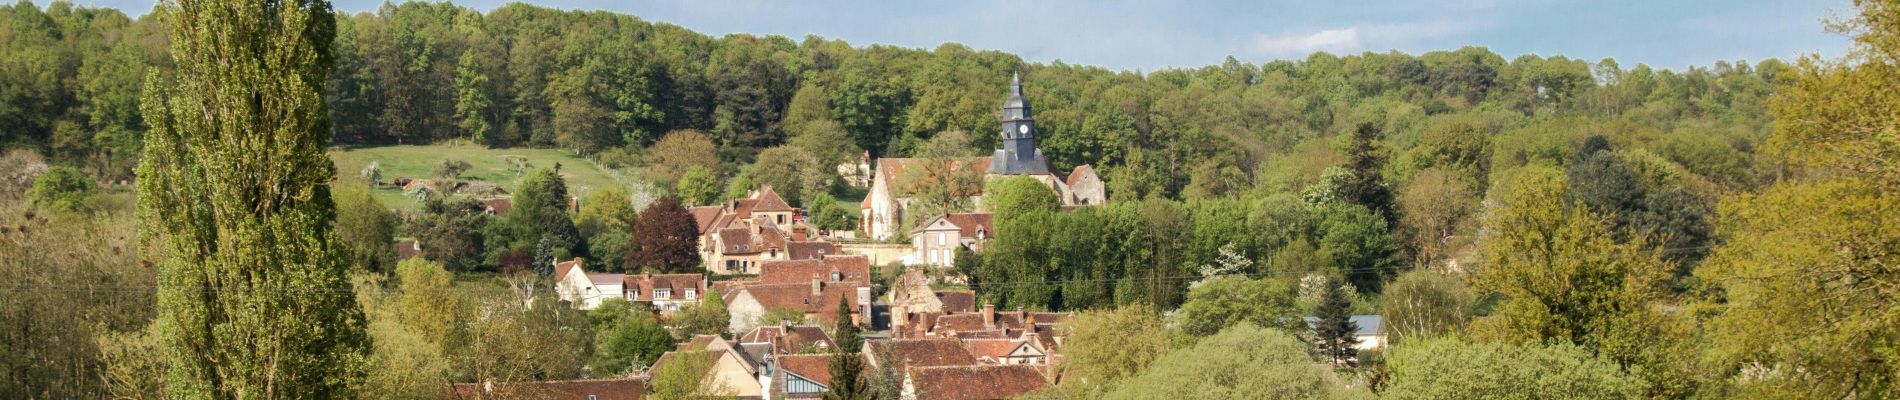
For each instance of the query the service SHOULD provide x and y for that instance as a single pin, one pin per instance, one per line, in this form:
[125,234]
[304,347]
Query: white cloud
[1358,38]
[1330,40]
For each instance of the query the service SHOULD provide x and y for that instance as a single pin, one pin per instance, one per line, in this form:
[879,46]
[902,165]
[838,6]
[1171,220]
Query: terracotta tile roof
[955,383]
[926,352]
[1075,175]
[799,296]
[738,241]
[561,268]
[769,201]
[704,216]
[968,224]
[847,268]
[598,389]
[771,237]
[814,367]
[995,349]
[407,249]
[982,334]
[676,284]
[763,334]
[957,301]
[810,250]
[742,208]
[802,336]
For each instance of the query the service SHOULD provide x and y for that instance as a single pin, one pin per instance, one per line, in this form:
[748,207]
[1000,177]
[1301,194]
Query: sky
[1151,35]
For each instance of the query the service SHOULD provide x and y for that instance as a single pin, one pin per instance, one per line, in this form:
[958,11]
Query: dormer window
[692,294]
[662,294]
[837,277]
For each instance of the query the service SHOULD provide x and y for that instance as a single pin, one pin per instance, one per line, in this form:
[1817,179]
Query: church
[883,212]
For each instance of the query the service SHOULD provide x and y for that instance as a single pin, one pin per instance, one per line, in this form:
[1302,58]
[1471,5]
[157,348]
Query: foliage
[1434,209]
[1223,302]
[525,336]
[1798,283]
[666,238]
[698,186]
[793,173]
[364,228]
[1425,304]
[452,232]
[1244,361]
[1333,329]
[678,152]
[539,212]
[1104,347]
[845,366]
[627,342]
[686,376]
[62,189]
[429,303]
[63,339]
[777,315]
[707,317]
[449,170]
[1017,195]
[827,213]
[234,196]
[1458,369]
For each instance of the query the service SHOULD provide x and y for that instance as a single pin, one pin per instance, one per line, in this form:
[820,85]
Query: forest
[1715,232]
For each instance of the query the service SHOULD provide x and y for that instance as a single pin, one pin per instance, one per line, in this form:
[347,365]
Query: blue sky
[1149,35]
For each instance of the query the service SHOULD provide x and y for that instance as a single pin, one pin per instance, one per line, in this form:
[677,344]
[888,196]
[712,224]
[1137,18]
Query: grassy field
[486,165]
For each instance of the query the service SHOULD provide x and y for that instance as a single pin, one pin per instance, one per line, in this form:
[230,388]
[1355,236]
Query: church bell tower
[1019,155]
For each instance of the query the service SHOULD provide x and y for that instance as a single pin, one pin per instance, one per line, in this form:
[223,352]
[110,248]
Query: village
[943,343]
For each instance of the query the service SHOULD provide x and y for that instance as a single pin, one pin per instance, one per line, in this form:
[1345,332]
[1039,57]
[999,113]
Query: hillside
[486,165]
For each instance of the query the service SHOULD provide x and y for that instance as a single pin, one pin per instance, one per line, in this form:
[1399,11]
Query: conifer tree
[1335,328]
[846,367]
[235,208]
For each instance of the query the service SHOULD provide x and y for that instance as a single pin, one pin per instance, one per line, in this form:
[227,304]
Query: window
[662,294]
[692,294]
[942,238]
[591,397]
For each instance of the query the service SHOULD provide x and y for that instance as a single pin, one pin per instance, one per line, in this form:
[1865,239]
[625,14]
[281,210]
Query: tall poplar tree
[234,200]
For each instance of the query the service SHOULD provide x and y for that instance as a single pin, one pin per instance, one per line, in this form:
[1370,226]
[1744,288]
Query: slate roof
[598,389]
[958,382]
[1368,324]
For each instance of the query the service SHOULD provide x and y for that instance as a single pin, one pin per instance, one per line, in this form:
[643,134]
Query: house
[911,298]
[936,239]
[811,249]
[407,249]
[903,354]
[972,382]
[786,338]
[585,290]
[1026,351]
[730,370]
[818,299]
[799,376]
[1371,333]
[497,206]
[664,293]
[737,235]
[885,209]
[827,268]
[584,389]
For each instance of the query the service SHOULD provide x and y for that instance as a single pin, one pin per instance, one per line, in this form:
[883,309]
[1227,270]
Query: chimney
[817,287]
[989,315]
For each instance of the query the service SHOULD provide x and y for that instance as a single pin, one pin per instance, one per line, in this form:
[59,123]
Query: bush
[62,189]
[1455,369]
